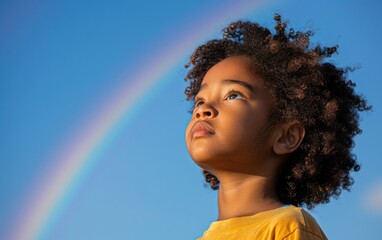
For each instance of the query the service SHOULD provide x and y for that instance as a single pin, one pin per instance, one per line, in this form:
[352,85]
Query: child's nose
[205,111]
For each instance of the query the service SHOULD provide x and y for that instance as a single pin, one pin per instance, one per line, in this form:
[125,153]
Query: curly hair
[306,89]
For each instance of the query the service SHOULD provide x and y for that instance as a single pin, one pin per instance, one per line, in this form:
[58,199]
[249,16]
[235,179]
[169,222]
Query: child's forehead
[232,65]
[233,68]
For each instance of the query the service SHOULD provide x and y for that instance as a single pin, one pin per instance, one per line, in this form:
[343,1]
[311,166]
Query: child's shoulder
[287,213]
[293,222]
[287,223]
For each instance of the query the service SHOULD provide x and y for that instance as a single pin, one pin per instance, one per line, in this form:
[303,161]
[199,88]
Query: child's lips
[201,129]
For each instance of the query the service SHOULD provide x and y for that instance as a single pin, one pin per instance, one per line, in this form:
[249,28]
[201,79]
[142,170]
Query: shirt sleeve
[301,234]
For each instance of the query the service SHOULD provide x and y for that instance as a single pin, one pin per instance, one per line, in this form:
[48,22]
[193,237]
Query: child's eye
[198,103]
[234,95]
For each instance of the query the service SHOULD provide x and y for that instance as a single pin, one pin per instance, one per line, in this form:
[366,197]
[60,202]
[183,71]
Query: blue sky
[61,60]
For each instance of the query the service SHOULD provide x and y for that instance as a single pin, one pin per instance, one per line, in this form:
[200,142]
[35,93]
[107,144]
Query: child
[272,128]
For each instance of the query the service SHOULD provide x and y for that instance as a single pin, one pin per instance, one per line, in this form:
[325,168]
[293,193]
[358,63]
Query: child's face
[226,131]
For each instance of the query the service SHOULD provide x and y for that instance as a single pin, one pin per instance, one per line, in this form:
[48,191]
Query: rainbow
[74,159]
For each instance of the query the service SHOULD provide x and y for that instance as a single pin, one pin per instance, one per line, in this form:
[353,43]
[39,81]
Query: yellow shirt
[286,223]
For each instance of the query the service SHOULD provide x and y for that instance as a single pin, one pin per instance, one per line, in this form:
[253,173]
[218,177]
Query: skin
[229,136]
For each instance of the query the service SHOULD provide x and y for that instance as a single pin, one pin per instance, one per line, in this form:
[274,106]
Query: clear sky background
[62,61]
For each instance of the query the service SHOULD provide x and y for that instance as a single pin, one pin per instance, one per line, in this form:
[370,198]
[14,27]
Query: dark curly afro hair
[306,89]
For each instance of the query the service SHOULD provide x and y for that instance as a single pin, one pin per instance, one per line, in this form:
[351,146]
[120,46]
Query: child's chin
[203,161]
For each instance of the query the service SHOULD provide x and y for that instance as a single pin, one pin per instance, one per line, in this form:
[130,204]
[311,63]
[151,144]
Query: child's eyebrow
[232,81]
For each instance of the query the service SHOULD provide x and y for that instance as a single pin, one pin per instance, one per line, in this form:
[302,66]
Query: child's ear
[289,138]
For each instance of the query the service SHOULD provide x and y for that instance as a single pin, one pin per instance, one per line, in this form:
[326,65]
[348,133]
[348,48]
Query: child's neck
[246,195]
